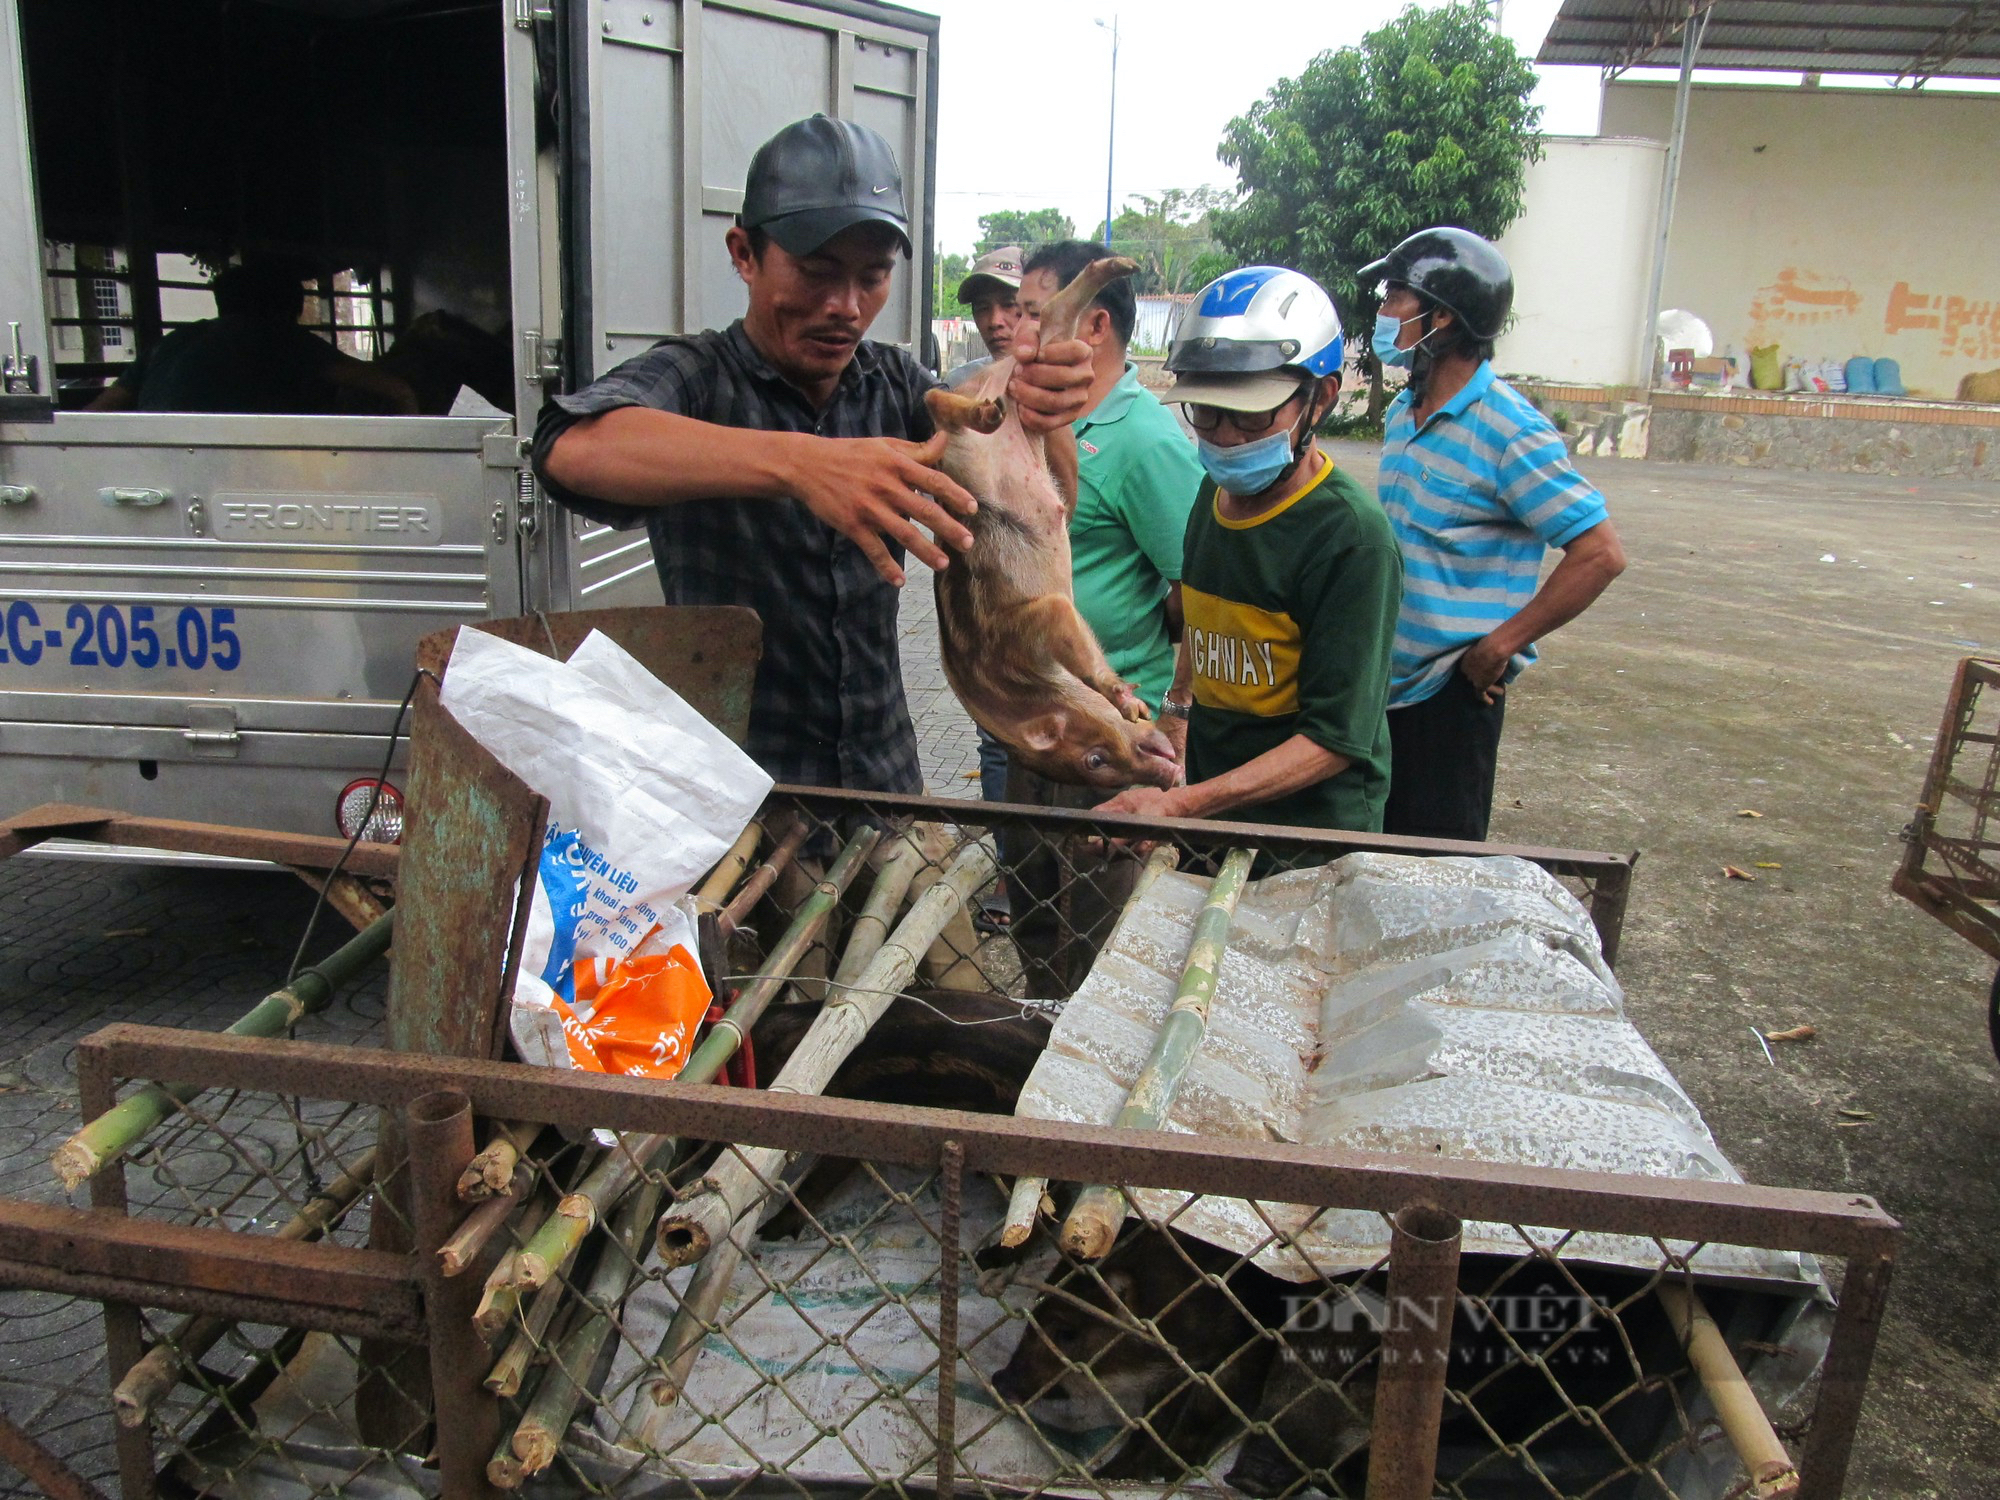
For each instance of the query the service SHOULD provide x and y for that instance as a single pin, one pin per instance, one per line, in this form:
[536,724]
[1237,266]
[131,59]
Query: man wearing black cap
[786,462]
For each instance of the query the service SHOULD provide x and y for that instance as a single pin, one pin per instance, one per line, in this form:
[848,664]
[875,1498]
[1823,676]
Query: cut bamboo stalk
[878,912]
[148,1381]
[1773,1476]
[689,1330]
[725,1037]
[722,879]
[1030,1196]
[1098,1212]
[123,1125]
[744,901]
[476,1228]
[492,1170]
[740,1180]
[559,1236]
[555,1401]
[504,1379]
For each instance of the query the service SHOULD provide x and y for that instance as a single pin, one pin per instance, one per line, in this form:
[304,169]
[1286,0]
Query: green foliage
[1171,238]
[1426,122]
[950,272]
[1026,228]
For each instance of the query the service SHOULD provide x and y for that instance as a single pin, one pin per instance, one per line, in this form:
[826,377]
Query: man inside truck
[787,463]
[252,356]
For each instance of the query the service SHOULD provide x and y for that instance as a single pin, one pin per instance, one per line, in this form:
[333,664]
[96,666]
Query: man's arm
[865,488]
[1589,562]
[1290,767]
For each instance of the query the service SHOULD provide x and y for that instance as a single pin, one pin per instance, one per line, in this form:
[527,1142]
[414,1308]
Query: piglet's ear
[955,413]
[1042,733]
[1122,1285]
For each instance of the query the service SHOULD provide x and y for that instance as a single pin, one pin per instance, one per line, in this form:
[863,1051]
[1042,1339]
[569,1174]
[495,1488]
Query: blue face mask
[1383,341]
[1249,468]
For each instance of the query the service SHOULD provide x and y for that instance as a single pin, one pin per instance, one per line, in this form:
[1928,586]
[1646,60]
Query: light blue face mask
[1383,340]
[1249,468]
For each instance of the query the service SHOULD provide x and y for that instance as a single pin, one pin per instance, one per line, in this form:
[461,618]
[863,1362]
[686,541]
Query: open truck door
[27,381]
[658,107]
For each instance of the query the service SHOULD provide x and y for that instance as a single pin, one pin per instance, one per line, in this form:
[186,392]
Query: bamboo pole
[722,879]
[1030,1196]
[878,913]
[740,906]
[504,1379]
[725,1037]
[124,1124]
[492,1170]
[1773,1476]
[692,1322]
[741,1180]
[554,1404]
[476,1228]
[148,1381]
[1094,1218]
[558,1237]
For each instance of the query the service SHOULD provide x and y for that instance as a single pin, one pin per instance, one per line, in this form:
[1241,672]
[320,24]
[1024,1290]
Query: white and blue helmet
[1251,336]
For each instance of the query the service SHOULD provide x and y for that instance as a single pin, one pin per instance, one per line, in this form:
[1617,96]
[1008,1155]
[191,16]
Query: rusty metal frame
[1956,880]
[1850,1226]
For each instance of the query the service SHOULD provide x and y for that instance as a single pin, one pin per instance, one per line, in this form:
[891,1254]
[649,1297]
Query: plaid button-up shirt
[828,708]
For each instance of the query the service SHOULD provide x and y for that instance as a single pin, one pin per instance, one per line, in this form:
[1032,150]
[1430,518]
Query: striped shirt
[1476,498]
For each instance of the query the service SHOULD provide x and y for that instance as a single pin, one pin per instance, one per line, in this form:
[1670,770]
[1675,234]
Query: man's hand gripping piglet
[1016,652]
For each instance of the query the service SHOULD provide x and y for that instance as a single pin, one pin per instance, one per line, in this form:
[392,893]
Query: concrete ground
[1730,668]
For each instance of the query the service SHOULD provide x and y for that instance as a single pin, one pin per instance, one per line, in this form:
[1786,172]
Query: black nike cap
[819,176]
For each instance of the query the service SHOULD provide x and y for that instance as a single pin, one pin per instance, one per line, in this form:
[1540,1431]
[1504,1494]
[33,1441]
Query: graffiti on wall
[1965,327]
[1802,297]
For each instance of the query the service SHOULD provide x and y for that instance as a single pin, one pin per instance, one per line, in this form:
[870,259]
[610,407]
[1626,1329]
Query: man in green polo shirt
[1136,480]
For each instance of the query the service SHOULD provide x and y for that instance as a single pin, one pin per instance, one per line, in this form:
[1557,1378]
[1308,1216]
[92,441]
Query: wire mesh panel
[1952,867]
[636,1290]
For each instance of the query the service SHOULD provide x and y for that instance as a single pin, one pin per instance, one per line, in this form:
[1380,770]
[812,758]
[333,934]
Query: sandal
[993,914]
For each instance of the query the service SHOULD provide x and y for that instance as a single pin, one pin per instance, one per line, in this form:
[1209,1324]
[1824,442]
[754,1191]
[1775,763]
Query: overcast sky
[1025,87]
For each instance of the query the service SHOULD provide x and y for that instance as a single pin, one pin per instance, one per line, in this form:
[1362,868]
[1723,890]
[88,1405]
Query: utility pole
[1111,135]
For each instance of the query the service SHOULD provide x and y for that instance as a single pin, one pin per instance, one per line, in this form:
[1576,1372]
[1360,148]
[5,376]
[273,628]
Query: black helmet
[1456,269]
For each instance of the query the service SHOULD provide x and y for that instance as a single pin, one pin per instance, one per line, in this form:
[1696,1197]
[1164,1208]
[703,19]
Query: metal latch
[543,356]
[527,507]
[527,12]
[211,731]
[20,374]
[139,498]
[17,494]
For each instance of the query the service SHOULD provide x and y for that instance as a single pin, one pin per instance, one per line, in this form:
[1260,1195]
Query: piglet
[1016,652]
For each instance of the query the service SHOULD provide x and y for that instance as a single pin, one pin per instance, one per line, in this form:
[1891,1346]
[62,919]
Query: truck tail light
[384,822]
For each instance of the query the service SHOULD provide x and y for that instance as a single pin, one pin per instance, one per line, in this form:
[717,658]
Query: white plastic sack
[645,795]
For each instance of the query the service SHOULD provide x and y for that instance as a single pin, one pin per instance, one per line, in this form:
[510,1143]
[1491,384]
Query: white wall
[1835,222]
[1581,253]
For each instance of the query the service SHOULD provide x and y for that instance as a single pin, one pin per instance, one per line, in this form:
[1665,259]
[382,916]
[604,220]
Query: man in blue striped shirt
[1478,485]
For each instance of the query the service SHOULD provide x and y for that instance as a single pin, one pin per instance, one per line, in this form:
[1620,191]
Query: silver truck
[212,617]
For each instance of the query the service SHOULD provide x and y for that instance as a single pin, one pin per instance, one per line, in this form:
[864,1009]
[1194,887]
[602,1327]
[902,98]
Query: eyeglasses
[1247,423]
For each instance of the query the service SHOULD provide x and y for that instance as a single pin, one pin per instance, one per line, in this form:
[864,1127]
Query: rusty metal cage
[270,1260]
[404,1265]
[1949,866]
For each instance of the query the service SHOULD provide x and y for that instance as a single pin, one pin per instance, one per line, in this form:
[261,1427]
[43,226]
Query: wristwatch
[1172,710]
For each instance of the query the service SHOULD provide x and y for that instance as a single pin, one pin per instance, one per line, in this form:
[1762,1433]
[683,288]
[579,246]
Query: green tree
[1426,122]
[1023,227]
[1168,235]
[950,272]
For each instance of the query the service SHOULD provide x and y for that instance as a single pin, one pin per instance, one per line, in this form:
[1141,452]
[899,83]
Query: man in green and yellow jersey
[1291,578]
